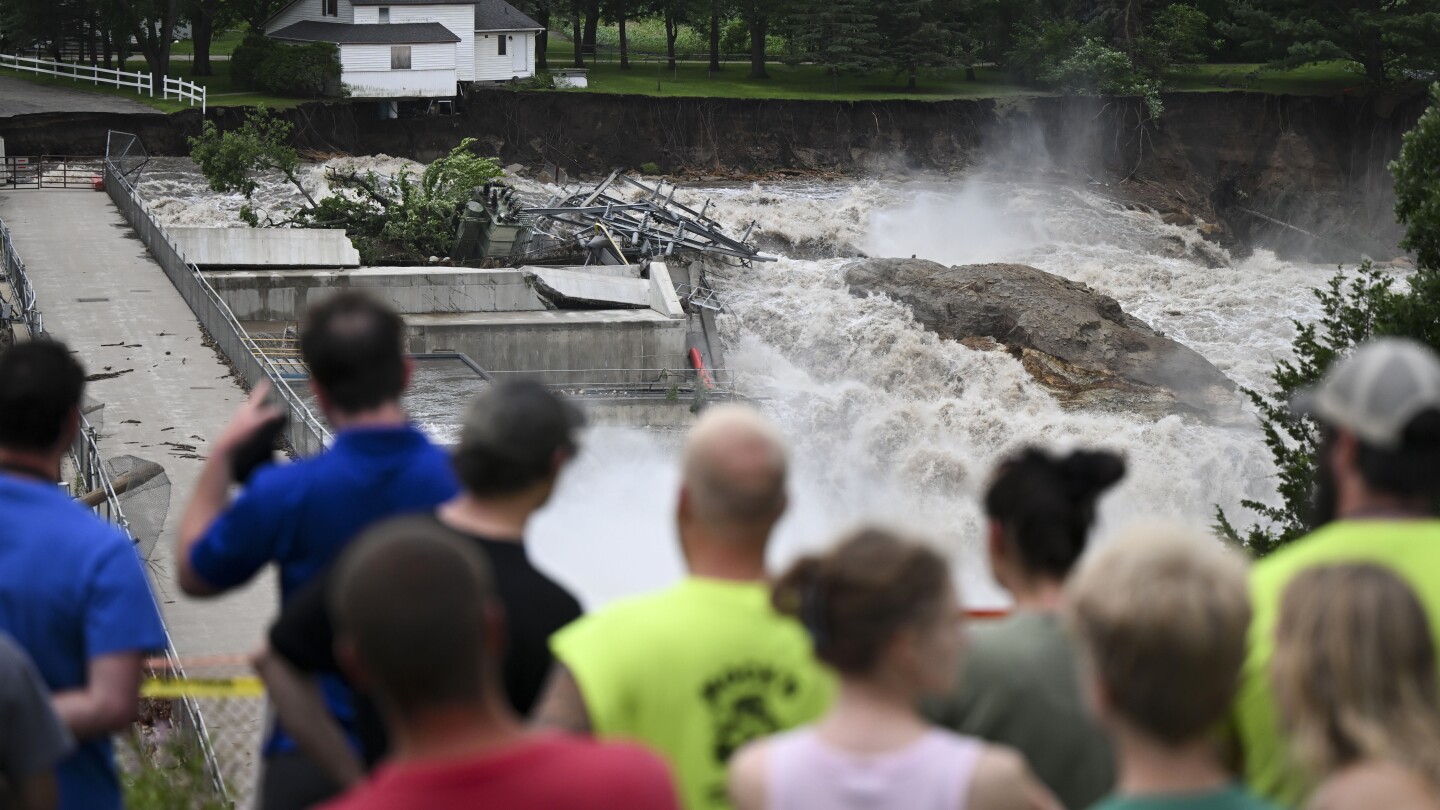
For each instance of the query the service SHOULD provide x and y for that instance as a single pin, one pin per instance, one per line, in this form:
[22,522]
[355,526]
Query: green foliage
[1179,34]
[170,776]
[840,35]
[1095,68]
[300,70]
[1037,52]
[232,160]
[246,60]
[305,70]
[1351,313]
[1417,185]
[1387,38]
[403,218]
[913,41]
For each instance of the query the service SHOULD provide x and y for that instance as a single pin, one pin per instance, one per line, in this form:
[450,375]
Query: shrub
[300,70]
[246,60]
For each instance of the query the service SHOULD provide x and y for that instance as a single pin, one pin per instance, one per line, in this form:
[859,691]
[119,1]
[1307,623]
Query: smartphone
[261,447]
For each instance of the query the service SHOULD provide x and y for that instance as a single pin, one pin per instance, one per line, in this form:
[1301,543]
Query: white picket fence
[144,83]
[185,90]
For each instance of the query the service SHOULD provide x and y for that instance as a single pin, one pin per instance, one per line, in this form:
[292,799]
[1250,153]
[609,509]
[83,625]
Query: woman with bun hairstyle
[884,615]
[1355,672]
[1019,685]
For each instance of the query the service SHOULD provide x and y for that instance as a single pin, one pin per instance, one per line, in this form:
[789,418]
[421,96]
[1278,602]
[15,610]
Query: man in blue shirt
[301,515]
[73,593]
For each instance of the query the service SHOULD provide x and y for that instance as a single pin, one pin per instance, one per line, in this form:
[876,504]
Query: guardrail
[52,171]
[628,383]
[185,90]
[90,465]
[306,434]
[25,310]
[142,82]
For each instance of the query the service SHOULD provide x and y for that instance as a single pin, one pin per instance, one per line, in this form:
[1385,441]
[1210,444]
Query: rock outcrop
[1075,341]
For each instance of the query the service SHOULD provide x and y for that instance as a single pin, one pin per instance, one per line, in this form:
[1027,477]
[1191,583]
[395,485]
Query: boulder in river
[1077,342]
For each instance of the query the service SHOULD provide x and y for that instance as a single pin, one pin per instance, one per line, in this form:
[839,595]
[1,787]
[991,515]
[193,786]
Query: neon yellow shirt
[1410,547]
[694,672]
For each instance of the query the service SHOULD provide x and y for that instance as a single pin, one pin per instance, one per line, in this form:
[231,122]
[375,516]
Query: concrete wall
[265,247]
[558,340]
[284,295]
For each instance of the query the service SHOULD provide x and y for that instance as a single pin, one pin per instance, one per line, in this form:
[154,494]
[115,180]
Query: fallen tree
[405,218]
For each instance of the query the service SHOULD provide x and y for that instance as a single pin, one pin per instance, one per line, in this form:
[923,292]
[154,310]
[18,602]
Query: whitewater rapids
[889,423]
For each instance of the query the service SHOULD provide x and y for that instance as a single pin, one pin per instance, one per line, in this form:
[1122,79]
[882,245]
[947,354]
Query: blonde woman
[1355,672]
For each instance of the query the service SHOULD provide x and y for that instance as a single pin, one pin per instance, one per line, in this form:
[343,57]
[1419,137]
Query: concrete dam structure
[552,322]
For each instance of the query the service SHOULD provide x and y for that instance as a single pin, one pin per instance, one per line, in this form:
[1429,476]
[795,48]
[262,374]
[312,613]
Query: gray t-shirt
[1020,688]
[32,739]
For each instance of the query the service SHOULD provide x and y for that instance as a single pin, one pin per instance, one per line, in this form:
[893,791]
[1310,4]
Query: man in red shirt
[419,628]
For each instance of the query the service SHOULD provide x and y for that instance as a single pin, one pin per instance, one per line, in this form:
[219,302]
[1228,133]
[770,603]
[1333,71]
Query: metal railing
[90,467]
[182,89]
[144,83]
[25,309]
[306,434]
[48,172]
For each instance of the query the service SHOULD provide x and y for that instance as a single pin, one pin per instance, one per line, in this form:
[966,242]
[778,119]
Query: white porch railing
[142,82]
[182,89]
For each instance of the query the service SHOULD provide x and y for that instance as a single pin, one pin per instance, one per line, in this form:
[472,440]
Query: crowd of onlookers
[422,660]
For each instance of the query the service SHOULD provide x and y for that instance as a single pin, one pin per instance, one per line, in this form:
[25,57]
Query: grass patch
[692,79]
[1322,79]
[222,44]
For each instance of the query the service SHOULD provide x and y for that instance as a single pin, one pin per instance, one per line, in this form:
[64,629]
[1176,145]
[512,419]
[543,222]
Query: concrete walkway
[101,293]
[21,97]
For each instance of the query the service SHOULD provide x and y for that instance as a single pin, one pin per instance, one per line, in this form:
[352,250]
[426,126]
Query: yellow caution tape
[242,687]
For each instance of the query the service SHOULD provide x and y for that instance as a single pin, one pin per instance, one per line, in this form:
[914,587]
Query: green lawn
[799,82]
[649,76]
[222,44]
[1326,78]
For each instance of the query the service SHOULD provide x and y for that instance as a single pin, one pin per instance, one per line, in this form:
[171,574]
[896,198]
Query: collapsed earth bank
[1304,175]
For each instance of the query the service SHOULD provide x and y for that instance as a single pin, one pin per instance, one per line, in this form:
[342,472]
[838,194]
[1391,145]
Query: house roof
[381,34]
[498,15]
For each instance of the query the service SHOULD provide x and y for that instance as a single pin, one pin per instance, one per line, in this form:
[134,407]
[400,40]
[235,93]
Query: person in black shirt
[516,439]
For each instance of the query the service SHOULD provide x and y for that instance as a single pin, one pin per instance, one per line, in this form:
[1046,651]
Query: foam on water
[889,422]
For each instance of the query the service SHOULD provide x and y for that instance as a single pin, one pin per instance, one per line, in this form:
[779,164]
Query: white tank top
[932,773]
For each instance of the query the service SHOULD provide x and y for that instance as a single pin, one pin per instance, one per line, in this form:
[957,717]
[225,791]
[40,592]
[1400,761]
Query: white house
[504,42]
[398,49]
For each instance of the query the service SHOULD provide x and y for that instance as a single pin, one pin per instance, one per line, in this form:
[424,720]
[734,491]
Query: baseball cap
[1376,391]
[520,424]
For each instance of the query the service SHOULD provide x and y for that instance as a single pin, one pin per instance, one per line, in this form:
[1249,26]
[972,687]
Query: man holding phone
[301,515]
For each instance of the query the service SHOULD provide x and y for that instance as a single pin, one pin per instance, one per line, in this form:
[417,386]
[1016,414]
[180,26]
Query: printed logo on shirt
[742,700]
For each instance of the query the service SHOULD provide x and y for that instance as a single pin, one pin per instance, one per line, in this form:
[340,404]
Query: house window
[330,8]
[399,57]
[501,38]
[384,14]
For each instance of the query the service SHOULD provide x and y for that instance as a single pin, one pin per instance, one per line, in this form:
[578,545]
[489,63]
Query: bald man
[699,669]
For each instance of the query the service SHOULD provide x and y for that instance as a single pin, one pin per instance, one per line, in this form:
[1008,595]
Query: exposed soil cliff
[1304,175]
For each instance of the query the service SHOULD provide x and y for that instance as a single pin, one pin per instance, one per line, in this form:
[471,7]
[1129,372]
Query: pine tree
[1386,37]
[841,35]
[912,39]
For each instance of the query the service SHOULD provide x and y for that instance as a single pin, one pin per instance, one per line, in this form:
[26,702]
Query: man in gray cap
[516,439]
[1378,477]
